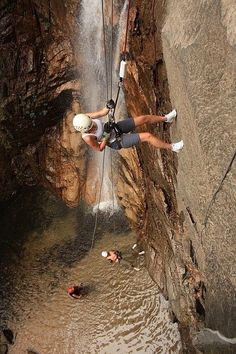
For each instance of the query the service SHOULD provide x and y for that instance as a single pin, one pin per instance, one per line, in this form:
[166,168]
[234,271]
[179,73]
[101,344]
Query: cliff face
[38,88]
[200,60]
[188,224]
[159,222]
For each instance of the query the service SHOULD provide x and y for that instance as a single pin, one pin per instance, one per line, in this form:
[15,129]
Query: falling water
[96,82]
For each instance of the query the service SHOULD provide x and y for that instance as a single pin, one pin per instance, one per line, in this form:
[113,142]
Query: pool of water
[45,247]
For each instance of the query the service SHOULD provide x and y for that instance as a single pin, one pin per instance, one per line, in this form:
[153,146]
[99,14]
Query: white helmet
[82,123]
[104,253]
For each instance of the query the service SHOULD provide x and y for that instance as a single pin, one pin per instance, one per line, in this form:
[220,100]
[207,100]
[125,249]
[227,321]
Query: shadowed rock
[30,351]
[8,334]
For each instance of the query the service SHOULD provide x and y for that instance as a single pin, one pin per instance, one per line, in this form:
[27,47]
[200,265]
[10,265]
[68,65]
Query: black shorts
[126,140]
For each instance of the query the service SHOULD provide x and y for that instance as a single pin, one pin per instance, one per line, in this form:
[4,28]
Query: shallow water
[44,249]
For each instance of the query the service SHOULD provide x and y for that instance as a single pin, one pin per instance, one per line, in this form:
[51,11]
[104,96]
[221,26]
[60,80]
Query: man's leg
[128,140]
[150,119]
[154,141]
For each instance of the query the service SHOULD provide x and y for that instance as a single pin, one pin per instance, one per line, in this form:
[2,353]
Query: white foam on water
[107,206]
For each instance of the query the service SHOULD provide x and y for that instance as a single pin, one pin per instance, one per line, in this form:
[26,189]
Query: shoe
[176,147]
[170,116]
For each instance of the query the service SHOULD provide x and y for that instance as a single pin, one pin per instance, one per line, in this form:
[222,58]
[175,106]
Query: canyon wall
[201,61]
[183,56]
[39,88]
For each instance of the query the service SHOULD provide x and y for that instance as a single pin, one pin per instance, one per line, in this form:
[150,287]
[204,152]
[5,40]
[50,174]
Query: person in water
[76,291]
[120,135]
[113,256]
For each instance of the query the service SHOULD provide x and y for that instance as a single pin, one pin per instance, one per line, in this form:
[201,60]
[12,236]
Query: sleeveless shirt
[99,132]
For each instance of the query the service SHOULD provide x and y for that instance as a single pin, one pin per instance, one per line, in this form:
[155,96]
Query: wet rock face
[37,72]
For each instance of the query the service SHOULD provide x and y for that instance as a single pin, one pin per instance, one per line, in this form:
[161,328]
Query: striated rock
[38,87]
[129,187]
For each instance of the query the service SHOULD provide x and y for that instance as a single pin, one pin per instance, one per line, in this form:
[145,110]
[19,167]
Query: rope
[112,185]
[105,51]
[99,200]
[112,118]
[111,47]
[117,96]
[126,31]
[107,91]
[124,53]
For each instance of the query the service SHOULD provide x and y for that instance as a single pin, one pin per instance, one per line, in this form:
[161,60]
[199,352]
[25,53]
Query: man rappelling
[120,135]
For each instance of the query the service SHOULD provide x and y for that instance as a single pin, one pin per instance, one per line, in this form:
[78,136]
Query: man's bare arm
[94,144]
[103,112]
[103,144]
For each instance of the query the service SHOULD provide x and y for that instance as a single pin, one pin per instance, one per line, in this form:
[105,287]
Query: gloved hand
[110,104]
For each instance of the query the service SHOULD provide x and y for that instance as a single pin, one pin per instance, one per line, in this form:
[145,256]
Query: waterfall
[93,81]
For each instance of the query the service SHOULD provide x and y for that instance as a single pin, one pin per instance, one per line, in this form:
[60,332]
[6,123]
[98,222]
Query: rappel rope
[111,117]
[123,64]
[107,95]
[105,51]
[111,49]
[99,200]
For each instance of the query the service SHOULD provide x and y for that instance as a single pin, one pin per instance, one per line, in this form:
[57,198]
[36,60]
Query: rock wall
[185,54]
[39,87]
[200,60]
